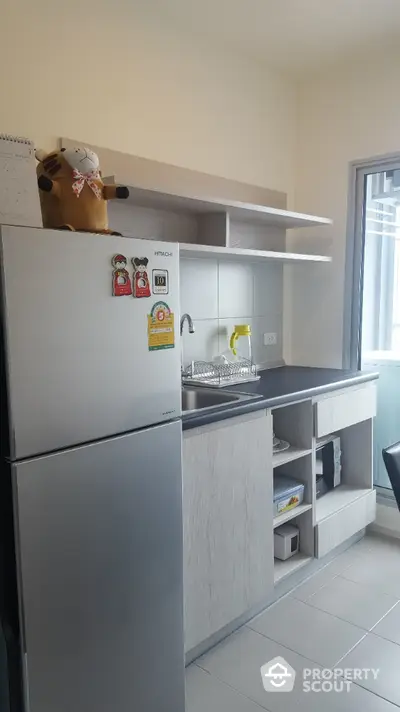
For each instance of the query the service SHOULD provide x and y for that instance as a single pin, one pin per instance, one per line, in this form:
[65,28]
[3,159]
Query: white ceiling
[296,36]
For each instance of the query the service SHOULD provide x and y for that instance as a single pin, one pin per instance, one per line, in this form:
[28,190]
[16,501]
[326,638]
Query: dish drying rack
[219,375]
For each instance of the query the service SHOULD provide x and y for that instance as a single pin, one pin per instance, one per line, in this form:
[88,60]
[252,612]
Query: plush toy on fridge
[72,193]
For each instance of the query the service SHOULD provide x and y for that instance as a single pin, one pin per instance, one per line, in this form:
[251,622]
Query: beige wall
[105,73]
[112,75]
[353,113]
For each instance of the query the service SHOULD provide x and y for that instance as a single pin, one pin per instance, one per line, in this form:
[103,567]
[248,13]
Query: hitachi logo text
[159,253]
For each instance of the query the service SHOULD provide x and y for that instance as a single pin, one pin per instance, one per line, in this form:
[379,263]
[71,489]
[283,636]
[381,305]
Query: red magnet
[141,284]
[121,280]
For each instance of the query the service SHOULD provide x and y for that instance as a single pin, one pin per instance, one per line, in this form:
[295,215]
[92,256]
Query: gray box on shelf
[286,541]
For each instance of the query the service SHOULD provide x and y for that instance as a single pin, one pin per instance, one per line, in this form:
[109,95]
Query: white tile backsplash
[268,290]
[236,290]
[266,325]
[199,288]
[203,345]
[220,294]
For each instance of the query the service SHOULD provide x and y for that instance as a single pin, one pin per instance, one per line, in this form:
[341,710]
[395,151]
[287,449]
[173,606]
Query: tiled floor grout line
[364,630]
[324,568]
[234,689]
[351,649]
[387,640]
[251,699]
[367,630]
[369,554]
[366,689]
[296,652]
[227,684]
[377,589]
[335,576]
[381,619]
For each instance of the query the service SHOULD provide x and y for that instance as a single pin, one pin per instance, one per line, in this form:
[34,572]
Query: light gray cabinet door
[228,546]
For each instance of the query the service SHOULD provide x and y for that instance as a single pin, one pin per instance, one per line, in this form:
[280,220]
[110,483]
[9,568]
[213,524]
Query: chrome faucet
[188,318]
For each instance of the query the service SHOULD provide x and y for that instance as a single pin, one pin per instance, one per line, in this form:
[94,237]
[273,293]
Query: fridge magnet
[141,284]
[160,327]
[160,281]
[121,281]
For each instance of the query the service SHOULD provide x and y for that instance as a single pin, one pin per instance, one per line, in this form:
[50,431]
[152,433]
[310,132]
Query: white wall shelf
[291,514]
[246,212]
[240,255]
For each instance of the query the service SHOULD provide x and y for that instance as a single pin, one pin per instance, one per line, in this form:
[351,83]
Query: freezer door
[100,560]
[78,358]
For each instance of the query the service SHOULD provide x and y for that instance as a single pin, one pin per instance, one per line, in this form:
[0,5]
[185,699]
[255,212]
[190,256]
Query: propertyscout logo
[279,676]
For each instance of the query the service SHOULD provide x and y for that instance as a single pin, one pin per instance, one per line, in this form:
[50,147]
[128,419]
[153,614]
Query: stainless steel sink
[206,398]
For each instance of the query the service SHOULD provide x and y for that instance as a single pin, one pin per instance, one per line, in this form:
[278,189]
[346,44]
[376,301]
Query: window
[372,317]
[381,279]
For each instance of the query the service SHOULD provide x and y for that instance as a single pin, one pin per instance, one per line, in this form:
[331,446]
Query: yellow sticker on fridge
[160,327]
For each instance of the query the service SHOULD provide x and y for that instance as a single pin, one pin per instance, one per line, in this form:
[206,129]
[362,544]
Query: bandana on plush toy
[89,178]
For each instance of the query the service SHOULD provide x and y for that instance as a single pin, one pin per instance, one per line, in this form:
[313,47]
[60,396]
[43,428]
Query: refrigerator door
[100,561]
[80,363]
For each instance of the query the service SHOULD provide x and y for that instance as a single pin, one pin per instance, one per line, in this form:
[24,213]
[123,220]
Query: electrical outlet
[270,339]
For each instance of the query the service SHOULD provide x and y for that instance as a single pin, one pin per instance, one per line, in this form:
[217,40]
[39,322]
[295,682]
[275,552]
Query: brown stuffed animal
[72,193]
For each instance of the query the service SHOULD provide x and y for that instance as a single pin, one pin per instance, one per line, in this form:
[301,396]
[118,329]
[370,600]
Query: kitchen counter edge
[198,419]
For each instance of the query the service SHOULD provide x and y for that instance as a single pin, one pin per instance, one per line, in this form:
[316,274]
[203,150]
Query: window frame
[355,243]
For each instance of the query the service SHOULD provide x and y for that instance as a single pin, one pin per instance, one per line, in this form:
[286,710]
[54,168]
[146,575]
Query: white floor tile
[377,569]
[204,693]
[237,661]
[355,589]
[312,633]
[389,626]
[377,543]
[374,652]
[349,557]
[325,575]
[352,602]
[313,584]
[357,700]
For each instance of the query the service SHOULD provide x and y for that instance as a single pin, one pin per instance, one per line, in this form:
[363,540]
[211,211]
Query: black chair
[391,458]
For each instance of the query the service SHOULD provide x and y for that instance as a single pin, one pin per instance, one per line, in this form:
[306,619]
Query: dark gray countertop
[278,386]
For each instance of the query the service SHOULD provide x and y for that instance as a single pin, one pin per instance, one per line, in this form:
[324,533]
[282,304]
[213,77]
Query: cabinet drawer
[334,530]
[347,408]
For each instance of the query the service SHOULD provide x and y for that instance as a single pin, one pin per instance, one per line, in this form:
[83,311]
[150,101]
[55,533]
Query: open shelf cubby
[304,522]
[285,568]
[293,423]
[208,235]
[291,514]
[356,474]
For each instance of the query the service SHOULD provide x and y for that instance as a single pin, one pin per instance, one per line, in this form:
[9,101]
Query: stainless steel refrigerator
[93,449]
